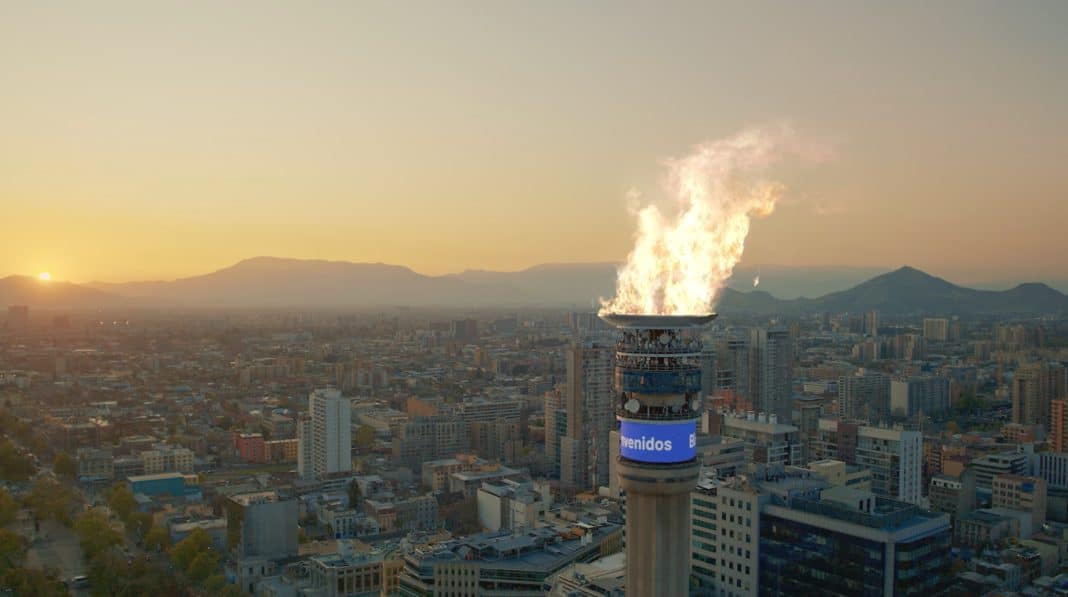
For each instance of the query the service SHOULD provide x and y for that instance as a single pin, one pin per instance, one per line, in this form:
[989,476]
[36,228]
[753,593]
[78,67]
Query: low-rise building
[504,563]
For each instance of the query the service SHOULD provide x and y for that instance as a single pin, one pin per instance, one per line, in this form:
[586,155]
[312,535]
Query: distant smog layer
[277,282]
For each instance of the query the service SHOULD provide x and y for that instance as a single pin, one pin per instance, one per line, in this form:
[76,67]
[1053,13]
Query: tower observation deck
[658,390]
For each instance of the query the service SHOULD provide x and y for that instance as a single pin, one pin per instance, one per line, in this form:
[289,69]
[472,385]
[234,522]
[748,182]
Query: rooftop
[155,477]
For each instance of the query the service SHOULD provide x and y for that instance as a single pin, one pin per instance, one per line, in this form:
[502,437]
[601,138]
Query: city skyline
[161,142]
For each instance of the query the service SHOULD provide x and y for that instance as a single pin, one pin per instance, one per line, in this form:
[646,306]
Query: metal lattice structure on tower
[658,386]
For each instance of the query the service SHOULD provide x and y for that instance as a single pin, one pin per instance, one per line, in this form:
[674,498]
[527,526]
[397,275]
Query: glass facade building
[828,547]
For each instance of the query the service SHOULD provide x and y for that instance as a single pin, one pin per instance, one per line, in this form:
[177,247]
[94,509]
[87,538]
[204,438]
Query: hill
[278,282]
[24,290]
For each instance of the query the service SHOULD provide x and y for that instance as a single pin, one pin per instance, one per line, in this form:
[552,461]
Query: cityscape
[471,299]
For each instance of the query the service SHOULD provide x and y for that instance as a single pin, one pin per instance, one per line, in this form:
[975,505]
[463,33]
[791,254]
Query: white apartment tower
[331,433]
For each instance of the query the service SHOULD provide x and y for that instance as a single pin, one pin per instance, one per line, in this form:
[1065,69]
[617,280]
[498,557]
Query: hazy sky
[157,139]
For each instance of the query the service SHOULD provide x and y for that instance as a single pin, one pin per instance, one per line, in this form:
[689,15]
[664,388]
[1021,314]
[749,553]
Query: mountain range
[279,282]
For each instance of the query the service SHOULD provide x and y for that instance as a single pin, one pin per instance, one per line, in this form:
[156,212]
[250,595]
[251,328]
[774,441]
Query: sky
[154,140]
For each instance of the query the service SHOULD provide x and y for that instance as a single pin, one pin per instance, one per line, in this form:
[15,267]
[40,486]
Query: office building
[1058,425]
[919,395]
[848,542]
[658,363]
[261,524]
[992,465]
[954,496]
[349,572]
[555,430]
[771,362]
[165,458]
[936,329]
[895,456]
[512,505]
[502,563]
[767,440]
[725,536]
[464,330]
[733,370]
[1022,494]
[305,452]
[871,323]
[589,403]
[864,396]
[429,438]
[1034,387]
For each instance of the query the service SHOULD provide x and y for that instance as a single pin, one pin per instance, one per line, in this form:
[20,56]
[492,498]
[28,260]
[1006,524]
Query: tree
[231,590]
[186,550]
[95,533]
[157,539]
[12,550]
[138,524]
[121,501]
[64,466]
[214,583]
[14,465]
[8,508]
[50,500]
[26,581]
[202,566]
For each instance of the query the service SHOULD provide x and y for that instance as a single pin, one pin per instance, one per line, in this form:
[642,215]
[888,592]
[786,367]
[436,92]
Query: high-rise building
[1034,387]
[588,399]
[864,396]
[658,375]
[928,395]
[772,366]
[331,433]
[464,329]
[555,429]
[429,438]
[305,469]
[895,456]
[725,536]
[1058,425]
[936,329]
[767,441]
[732,365]
[871,323]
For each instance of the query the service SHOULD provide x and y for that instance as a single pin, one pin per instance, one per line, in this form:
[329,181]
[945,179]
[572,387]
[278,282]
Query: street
[57,548]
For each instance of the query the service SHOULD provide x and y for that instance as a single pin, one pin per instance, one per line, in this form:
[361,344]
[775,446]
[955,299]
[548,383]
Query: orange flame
[679,265]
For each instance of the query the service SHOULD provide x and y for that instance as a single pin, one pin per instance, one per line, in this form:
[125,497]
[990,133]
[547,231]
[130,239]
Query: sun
[44,276]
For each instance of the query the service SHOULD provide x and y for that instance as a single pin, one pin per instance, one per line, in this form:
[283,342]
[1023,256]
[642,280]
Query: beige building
[1023,494]
[839,474]
[165,459]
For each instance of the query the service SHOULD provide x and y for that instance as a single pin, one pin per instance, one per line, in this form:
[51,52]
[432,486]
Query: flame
[756,281]
[680,264]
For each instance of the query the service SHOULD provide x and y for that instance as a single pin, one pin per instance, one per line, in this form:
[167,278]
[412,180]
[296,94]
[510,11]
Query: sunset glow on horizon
[157,141]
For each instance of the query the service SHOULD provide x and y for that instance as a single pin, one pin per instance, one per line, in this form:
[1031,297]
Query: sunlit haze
[163,139]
